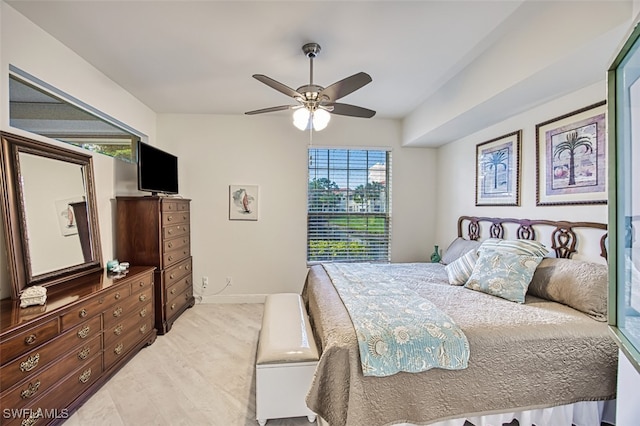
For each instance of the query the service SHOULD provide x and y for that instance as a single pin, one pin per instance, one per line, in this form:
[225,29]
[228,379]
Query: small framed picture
[498,171]
[571,158]
[243,202]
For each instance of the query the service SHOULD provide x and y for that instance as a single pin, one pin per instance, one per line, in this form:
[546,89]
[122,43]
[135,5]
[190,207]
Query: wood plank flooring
[200,373]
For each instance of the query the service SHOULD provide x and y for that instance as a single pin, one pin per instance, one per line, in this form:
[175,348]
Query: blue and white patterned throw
[397,329]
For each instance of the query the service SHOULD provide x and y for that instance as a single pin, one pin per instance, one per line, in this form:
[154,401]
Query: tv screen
[157,170]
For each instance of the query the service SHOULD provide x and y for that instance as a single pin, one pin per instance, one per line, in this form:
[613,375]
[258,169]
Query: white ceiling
[198,56]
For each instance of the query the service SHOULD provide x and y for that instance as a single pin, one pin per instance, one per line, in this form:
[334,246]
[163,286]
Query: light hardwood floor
[200,373]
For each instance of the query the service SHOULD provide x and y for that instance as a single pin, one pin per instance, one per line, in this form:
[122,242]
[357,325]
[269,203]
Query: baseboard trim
[234,298]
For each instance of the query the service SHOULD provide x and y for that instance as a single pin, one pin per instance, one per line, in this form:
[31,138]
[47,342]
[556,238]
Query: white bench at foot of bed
[286,360]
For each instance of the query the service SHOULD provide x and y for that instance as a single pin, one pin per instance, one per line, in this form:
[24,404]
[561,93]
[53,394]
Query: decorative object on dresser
[54,357]
[155,231]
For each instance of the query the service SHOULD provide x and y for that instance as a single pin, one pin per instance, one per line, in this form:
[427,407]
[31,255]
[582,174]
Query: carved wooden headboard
[564,239]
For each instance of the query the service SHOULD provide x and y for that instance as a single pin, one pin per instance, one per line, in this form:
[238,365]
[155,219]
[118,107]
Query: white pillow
[457,248]
[460,269]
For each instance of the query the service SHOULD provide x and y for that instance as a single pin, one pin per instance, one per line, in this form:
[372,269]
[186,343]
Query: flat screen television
[157,170]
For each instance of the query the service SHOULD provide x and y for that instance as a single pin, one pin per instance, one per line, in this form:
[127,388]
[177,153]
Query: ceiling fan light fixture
[301,118]
[321,118]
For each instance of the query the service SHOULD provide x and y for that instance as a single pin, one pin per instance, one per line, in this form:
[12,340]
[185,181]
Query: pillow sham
[578,284]
[460,269]
[457,248]
[503,274]
[520,246]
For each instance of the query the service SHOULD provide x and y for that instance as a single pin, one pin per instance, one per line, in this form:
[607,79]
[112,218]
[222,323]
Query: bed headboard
[564,238]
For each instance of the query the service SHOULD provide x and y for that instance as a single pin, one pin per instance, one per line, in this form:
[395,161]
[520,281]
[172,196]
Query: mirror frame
[18,257]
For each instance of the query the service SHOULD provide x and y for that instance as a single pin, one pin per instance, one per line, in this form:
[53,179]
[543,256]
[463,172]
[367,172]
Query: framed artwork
[571,160]
[243,202]
[498,171]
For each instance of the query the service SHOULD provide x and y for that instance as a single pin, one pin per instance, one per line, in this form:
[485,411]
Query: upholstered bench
[286,359]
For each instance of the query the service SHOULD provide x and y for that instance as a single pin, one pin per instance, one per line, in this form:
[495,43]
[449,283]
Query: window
[349,209]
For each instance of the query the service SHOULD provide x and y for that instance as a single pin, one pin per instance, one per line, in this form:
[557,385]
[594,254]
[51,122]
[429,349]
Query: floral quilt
[397,329]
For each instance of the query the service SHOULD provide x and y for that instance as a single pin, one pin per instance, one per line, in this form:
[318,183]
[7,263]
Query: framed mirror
[49,212]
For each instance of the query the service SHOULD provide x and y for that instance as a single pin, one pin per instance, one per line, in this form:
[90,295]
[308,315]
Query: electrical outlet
[205,282]
[229,281]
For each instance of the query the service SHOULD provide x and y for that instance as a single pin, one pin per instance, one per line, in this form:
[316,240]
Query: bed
[552,350]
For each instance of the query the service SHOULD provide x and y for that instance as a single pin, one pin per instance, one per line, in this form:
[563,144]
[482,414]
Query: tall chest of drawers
[156,231]
[53,357]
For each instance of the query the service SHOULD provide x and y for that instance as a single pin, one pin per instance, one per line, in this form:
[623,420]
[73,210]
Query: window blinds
[349,209]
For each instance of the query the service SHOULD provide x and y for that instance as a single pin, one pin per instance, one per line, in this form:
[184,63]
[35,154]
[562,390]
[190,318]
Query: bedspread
[397,329]
[526,356]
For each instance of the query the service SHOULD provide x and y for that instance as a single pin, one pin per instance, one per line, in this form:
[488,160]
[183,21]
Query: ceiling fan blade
[271,109]
[350,110]
[277,85]
[345,86]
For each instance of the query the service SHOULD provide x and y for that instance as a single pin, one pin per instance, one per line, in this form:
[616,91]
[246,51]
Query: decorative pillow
[581,285]
[503,274]
[523,247]
[460,269]
[457,248]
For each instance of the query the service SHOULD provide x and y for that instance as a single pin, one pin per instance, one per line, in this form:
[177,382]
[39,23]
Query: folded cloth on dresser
[525,356]
[397,329]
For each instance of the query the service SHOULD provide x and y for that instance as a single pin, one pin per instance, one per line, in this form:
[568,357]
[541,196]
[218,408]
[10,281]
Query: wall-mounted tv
[157,170]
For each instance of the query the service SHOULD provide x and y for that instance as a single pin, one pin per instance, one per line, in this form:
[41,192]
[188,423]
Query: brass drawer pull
[30,339]
[118,349]
[173,291]
[143,313]
[30,363]
[117,312]
[173,306]
[84,377]
[170,231]
[171,276]
[84,353]
[118,330]
[170,258]
[31,390]
[143,329]
[142,297]
[141,283]
[169,218]
[188,267]
[117,296]
[84,332]
[82,313]
[32,419]
[170,245]
[184,217]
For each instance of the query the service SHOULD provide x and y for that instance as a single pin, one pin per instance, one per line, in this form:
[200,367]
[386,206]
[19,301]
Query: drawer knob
[117,295]
[171,276]
[84,332]
[118,349]
[30,363]
[84,353]
[84,377]
[30,390]
[30,339]
[143,329]
[118,330]
[117,312]
[82,313]
[143,313]
[170,258]
[170,231]
[169,218]
[141,283]
[173,291]
[142,297]
[173,306]
[170,245]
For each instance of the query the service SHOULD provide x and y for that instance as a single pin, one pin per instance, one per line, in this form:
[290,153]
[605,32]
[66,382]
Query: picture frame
[243,202]
[571,158]
[498,171]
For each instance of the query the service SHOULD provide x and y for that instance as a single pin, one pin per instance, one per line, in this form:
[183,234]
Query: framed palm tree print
[498,171]
[571,160]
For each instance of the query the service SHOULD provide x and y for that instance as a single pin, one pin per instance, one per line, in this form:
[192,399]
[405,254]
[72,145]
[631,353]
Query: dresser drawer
[176,305]
[142,282]
[174,273]
[178,288]
[20,395]
[118,348]
[28,339]
[94,306]
[132,321]
[136,302]
[175,205]
[172,231]
[176,243]
[36,360]
[169,258]
[174,218]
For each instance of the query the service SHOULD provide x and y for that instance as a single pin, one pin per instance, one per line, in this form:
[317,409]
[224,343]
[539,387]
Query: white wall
[269,255]
[26,46]
[456,170]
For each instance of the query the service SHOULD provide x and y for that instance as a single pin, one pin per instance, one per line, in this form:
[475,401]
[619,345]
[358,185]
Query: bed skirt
[585,413]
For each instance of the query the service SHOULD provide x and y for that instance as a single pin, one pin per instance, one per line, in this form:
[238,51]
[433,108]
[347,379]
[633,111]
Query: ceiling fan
[316,102]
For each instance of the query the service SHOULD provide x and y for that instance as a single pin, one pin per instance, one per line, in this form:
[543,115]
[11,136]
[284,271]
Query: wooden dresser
[53,357]
[156,231]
